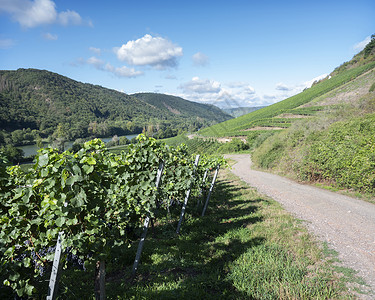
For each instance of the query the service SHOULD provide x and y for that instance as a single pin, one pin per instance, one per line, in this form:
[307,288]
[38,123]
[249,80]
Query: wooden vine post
[187,197]
[145,225]
[100,280]
[211,189]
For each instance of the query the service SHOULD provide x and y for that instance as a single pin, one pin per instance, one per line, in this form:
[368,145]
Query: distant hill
[181,107]
[42,103]
[240,111]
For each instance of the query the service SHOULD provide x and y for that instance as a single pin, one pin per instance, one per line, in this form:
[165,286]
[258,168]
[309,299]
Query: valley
[263,237]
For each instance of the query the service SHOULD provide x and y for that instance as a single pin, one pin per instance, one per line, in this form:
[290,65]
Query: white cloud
[283,87]
[69,18]
[97,51]
[35,13]
[237,84]
[249,90]
[308,84]
[123,71]
[200,86]
[242,87]
[6,43]
[200,59]
[361,45]
[271,97]
[107,67]
[283,91]
[98,63]
[222,95]
[157,52]
[295,89]
[170,77]
[238,94]
[50,36]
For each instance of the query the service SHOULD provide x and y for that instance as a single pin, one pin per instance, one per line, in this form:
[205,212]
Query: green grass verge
[246,247]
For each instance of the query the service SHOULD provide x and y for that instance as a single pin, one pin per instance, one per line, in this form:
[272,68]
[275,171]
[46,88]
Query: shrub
[344,154]
[235,145]
[270,151]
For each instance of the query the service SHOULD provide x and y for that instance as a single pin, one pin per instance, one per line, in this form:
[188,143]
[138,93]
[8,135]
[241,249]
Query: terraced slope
[283,114]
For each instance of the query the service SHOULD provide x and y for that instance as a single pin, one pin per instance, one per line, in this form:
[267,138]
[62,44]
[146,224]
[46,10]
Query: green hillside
[38,103]
[181,107]
[266,117]
[240,111]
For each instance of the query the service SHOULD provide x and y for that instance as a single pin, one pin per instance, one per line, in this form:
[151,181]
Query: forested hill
[182,107]
[47,102]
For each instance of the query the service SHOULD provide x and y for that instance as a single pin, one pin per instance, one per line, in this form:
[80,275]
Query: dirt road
[345,223]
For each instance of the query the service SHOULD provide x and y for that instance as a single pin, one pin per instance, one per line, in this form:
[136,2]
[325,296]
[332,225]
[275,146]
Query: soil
[346,224]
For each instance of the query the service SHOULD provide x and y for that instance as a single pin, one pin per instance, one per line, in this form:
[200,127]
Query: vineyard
[97,202]
[266,116]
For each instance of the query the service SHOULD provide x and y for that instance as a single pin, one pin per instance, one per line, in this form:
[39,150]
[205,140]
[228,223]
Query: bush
[270,151]
[235,145]
[344,155]
[261,138]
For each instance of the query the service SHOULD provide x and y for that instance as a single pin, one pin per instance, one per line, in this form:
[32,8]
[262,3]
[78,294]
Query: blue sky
[228,53]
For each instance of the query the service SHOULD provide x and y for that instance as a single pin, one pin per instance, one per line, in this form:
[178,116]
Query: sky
[227,53]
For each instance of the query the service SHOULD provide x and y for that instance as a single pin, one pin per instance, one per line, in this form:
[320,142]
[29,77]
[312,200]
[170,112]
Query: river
[32,149]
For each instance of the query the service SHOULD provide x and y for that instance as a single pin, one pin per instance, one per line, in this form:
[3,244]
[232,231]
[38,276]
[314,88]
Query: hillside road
[346,224]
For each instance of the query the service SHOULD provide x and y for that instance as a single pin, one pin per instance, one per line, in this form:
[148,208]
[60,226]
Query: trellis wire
[211,189]
[187,197]
[199,202]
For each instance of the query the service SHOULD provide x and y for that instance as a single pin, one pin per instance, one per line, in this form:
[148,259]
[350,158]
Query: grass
[246,247]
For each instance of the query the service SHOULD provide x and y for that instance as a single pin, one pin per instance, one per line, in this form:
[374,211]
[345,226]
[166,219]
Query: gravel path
[346,224]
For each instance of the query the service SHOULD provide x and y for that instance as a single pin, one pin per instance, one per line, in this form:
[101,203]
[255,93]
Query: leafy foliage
[209,145]
[341,154]
[93,196]
[344,154]
[369,47]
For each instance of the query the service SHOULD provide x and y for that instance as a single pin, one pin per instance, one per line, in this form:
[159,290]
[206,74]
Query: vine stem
[37,254]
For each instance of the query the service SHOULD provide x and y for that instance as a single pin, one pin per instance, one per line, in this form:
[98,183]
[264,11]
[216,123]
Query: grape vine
[92,196]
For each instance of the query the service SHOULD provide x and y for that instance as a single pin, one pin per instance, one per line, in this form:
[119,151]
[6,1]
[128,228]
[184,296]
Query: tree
[370,46]
[39,141]
[60,137]
[13,154]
